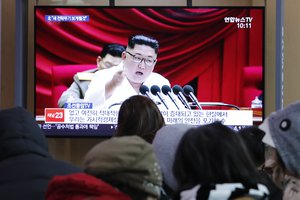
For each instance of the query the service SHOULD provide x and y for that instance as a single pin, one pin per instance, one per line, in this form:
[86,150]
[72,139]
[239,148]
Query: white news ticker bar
[195,117]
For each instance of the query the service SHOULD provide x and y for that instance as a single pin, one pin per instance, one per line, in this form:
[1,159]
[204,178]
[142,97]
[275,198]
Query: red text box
[54,115]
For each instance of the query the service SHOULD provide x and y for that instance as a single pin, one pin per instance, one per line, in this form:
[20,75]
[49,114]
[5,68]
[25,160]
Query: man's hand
[116,80]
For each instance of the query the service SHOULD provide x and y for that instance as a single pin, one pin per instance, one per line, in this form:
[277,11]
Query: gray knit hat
[165,145]
[282,130]
[129,160]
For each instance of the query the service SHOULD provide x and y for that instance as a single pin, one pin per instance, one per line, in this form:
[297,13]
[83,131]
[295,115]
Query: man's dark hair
[143,40]
[112,49]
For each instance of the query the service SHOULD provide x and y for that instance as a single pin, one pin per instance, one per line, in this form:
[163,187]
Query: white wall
[292,52]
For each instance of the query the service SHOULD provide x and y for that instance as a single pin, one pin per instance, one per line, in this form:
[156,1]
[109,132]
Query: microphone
[155,90]
[145,90]
[115,104]
[177,89]
[189,91]
[166,90]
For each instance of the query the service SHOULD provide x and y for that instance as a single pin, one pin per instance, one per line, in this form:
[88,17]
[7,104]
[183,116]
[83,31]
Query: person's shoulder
[91,70]
[62,166]
[59,187]
[85,75]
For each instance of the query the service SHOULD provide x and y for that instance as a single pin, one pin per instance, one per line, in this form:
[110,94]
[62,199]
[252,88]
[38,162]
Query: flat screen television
[218,51]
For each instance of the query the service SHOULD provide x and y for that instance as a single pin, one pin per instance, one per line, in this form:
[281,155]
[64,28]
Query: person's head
[127,163]
[274,166]
[282,132]
[212,154]
[111,55]
[20,127]
[140,58]
[165,144]
[139,115]
[252,137]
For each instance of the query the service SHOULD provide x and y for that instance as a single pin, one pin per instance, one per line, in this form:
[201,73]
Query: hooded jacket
[25,163]
[82,186]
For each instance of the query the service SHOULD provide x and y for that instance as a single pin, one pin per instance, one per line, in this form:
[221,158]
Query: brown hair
[140,116]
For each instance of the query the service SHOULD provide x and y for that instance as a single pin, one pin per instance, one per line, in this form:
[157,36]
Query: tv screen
[217,52]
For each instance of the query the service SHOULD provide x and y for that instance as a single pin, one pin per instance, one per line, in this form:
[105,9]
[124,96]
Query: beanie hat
[282,130]
[165,145]
[128,160]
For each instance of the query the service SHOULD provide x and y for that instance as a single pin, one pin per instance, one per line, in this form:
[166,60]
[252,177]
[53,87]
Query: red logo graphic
[54,115]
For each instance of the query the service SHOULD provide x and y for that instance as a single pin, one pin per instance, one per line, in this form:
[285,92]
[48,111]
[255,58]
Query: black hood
[20,134]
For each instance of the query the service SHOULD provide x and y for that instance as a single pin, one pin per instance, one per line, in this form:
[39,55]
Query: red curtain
[196,44]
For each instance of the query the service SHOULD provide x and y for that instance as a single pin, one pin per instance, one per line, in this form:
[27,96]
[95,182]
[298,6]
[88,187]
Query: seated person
[109,57]
[26,165]
[282,137]
[140,116]
[165,144]
[252,137]
[114,85]
[82,186]
[127,163]
[212,162]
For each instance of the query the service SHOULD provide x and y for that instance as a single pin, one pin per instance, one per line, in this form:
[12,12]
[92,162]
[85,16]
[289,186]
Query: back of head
[112,49]
[143,40]
[252,137]
[165,145]
[282,131]
[140,116]
[126,162]
[212,154]
[19,134]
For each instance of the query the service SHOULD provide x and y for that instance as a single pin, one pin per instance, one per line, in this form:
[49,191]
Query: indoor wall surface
[291,52]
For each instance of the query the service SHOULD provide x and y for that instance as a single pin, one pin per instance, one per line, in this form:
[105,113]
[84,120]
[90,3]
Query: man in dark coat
[26,166]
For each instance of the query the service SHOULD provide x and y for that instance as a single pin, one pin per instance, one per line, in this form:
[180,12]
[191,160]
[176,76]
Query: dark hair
[112,49]
[252,137]
[212,154]
[143,40]
[140,116]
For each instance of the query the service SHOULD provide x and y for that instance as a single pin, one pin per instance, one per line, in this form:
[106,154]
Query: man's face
[108,61]
[138,72]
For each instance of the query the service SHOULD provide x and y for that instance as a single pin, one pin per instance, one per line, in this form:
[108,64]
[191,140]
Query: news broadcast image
[213,56]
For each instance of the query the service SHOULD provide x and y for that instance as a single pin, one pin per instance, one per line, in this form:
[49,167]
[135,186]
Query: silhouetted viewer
[25,163]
